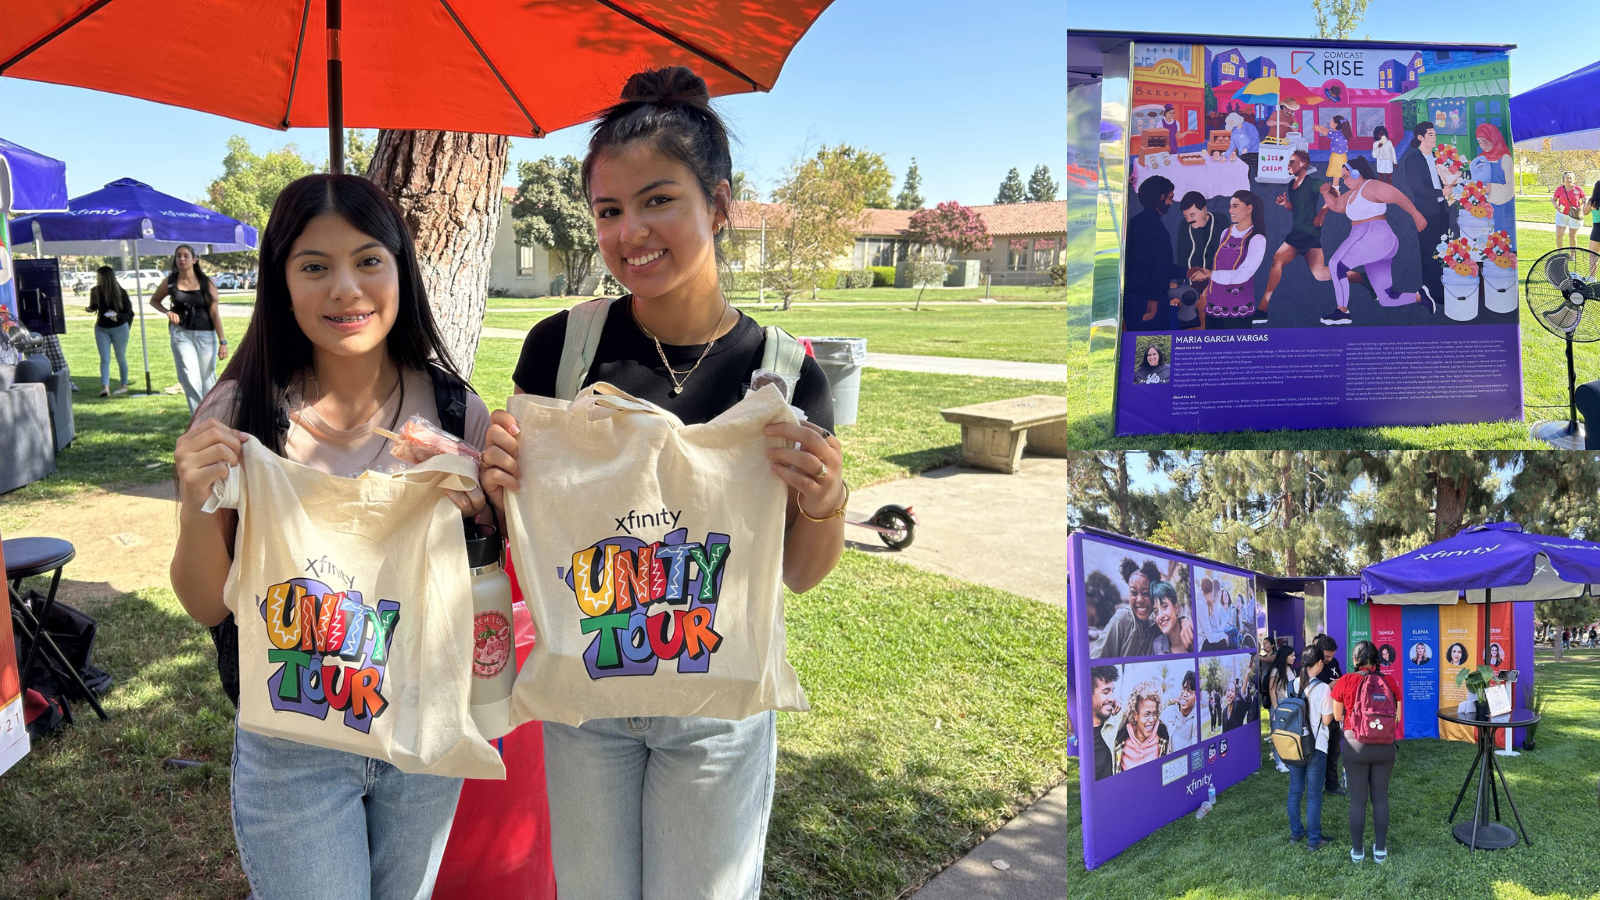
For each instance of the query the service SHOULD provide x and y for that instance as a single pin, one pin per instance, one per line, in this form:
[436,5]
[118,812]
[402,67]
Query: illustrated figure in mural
[1103,706]
[1244,141]
[1283,119]
[1420,178]
[1197,254]
[1132,628]
[1455,120]
[1594,228]
[1492,166]
[1383,154]
[1149,266]
[1169,121]
[1338,132]
[1143,737]
[1372,243]
[1299,197]
[1177,631]
[1182,719]
[1153,368]
[1568,201]
[1231,297]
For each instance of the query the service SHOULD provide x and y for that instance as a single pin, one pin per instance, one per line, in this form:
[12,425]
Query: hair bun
[669,86]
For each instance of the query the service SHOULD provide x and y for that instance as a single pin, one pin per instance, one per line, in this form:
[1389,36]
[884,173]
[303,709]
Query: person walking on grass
[1568,201]
[1330,673]
[112,313]
[195,324]
[1367,702]
[1306,780]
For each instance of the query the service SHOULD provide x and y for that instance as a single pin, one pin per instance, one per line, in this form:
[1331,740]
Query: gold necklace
[677,383]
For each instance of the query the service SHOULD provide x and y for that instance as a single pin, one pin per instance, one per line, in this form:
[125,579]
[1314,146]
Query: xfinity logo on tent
[95,212]
[1473,552]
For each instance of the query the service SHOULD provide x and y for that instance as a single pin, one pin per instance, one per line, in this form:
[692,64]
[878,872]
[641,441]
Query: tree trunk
[447,184]
[1123,525]
[1449,505]
[1291,561]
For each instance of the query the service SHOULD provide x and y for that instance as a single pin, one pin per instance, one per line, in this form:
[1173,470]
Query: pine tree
[911,191]
[1011,189]
[1416,497]
[1558,494]
[1041,188]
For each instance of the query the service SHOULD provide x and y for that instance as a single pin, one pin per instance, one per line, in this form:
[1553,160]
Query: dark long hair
[1343,124]
[274,349]
[1280,663]
[107,294]
[1418,130]
[1594,196]
[1257,224]
[1366,654]
[1379,133]
[199,273]
[670,109]
[1310,657]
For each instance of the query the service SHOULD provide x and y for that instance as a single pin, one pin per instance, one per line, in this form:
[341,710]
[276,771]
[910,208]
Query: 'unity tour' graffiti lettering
[331,649]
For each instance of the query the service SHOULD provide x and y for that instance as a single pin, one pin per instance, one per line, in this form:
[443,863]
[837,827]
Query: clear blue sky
[1551,35]
[965,89]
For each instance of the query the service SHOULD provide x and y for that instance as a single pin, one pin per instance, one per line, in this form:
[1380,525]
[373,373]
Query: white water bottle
[494,669]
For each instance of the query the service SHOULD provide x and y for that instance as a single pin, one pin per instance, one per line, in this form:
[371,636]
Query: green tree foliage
[823,197]
[864,168]
[250,182]
[358,148]
[550,211]
[1337,19]
[1011,190]
[1041,187]
[947,229]
[1416,497]
[741,187]
[1100,493]
[1558,493]
[910,196]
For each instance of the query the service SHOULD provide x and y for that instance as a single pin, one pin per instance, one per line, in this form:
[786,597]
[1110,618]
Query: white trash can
[841,360]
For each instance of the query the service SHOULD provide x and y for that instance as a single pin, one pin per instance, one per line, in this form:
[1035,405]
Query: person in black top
[1149,267]
[195,324]
[1331,670]
[112,313]
[1197,251]
[1419,178]
[657,177]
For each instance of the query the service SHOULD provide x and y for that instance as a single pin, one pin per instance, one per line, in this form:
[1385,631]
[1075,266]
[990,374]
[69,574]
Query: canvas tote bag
[354,611]
[650,554]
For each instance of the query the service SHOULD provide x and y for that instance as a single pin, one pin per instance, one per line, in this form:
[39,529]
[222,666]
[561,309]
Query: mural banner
[1164,672]
[1386,633]
[1458,636]
[1502,654]
[1319,237]
[1420,625]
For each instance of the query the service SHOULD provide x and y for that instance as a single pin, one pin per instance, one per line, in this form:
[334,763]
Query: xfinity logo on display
[1473,552]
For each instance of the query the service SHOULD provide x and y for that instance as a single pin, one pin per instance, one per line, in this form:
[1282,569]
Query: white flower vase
[1473,228]
[1460,296]
[1500,288]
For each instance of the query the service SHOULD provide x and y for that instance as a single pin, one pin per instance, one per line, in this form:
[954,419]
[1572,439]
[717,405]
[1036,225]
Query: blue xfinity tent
[30,182]
[1560,110]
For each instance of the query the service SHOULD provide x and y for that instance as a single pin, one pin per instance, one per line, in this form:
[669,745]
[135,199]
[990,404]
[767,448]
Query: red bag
[1371,717]
[500,841]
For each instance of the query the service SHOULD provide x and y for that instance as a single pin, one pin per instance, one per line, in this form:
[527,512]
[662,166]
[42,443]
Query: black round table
[1480,833]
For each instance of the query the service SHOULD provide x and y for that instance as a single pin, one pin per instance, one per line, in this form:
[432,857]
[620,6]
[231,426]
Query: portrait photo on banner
[1225,610]
[1229,697]
[1142,712]
[1137,603]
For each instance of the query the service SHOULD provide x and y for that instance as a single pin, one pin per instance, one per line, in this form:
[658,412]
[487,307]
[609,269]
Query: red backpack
[1371,717]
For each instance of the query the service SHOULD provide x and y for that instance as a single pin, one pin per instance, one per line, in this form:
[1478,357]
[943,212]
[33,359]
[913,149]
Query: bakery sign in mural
[1327,233]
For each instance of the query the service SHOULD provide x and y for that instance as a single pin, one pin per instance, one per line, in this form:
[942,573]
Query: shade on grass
[936,709]
[1241,851]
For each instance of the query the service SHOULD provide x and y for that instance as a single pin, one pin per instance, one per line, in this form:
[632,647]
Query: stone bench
[994,434]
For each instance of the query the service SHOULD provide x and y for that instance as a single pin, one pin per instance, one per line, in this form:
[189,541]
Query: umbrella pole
[144,342]
[335,92]
[1488,601]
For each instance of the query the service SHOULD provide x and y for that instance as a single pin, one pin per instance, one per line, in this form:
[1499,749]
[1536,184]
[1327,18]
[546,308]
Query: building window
[525,264]
[1227,68]
[1017,256]
[1044,253]
[875,252]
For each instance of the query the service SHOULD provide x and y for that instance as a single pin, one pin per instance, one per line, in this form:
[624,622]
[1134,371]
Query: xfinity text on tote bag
[354,611]
[650,554]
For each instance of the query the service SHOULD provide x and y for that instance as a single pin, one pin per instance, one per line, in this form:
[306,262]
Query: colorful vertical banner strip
[1419,626]
[1502,655]
[8,295]
[1358,629]
[1387,634]
[1458,649]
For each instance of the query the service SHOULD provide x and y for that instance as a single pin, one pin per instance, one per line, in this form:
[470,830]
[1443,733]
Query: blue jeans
[660,808]
[315,823]
[107,339]
[195,355]
[1307,779]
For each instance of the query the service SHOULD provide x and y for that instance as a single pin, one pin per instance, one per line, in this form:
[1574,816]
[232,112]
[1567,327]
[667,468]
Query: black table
[1480,833]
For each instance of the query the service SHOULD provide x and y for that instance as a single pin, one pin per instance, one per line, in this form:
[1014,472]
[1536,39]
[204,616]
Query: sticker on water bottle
[491,643]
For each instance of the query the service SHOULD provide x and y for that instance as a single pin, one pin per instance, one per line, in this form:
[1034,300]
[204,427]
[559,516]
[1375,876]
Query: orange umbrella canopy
[517,67]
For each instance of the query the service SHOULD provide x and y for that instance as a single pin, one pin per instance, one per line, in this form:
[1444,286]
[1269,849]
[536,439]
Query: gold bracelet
[833,515]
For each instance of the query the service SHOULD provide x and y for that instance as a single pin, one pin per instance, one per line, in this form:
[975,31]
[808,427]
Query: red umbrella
[516,67]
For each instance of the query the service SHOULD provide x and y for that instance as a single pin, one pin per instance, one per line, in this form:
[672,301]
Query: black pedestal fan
[1563,291]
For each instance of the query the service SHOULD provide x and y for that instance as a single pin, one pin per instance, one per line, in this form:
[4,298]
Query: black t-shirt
[626,358]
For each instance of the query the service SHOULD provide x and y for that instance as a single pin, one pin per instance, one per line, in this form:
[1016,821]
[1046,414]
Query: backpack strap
[782,353]
[585,323]
[450,399]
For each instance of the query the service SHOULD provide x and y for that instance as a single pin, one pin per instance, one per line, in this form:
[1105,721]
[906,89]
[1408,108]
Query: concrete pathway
[1004,531]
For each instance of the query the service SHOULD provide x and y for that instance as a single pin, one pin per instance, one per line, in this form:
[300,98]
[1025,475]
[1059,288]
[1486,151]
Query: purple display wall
[1163,666]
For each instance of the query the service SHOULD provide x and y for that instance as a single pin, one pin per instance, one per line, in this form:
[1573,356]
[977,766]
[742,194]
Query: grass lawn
[1034,333]
[1544,379]
[1536,209]
[895,772]
[1241,851]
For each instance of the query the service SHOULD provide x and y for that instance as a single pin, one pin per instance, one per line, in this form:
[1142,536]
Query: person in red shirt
[1367,766]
